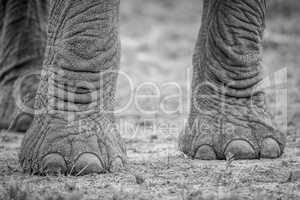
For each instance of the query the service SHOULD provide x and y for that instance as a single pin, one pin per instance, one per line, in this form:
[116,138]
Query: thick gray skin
[23,40]
[228,117]
[75,135]
[76,132]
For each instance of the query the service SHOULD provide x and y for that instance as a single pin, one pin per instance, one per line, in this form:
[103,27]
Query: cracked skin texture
[75,134]
[22,38]
[75,130]
[228,115]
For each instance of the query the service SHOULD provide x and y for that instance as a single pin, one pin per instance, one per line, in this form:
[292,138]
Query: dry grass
[158,40]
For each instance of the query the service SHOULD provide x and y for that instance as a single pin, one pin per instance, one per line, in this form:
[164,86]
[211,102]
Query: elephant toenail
[88,163]
[54,164]
[270,149]
[24,123]
[21,123]
[205,152]
[240,149]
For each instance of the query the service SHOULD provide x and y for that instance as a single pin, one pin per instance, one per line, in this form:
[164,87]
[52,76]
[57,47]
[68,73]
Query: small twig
[82,170]
[73,167]
[230,157]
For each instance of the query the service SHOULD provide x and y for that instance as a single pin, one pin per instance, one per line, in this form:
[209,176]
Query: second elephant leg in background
[23,39]
[228,112]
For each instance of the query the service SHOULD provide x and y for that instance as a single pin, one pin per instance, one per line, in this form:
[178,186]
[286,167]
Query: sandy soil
[158,38]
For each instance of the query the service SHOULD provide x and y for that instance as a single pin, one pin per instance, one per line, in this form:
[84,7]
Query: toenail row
[241,149]
[87,163]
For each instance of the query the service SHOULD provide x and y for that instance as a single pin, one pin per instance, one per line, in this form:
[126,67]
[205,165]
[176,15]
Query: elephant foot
[16,101]
[231,128]
[87,145]
[87,163]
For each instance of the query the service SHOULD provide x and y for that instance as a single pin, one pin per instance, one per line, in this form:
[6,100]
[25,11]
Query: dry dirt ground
[158,38]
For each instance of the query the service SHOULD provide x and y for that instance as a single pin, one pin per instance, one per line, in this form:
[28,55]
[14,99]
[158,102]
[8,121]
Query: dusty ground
[158,38]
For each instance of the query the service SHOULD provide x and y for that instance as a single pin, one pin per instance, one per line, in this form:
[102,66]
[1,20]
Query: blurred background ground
[158,38]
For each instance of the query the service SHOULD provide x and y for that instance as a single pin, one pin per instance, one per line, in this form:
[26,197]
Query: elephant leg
[228,115]
[74,129]
[23,39]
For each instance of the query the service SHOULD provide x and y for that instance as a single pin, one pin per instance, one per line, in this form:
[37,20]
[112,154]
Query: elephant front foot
[231,128]
[80,147]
